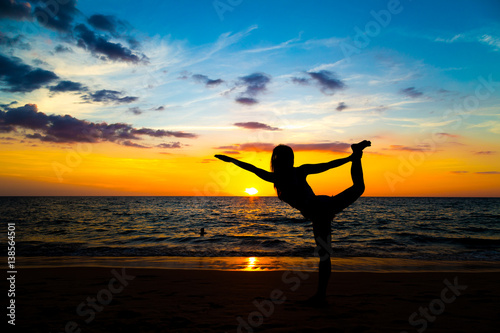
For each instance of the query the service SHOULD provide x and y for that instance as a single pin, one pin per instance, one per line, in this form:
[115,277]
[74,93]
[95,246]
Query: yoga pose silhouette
[291,186]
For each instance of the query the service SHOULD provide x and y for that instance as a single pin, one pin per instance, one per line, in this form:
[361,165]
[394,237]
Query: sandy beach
[105,299]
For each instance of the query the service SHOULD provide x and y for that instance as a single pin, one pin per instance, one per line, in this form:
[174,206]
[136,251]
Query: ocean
[458,229]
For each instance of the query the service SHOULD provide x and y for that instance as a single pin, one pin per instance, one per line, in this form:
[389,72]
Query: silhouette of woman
[291,186]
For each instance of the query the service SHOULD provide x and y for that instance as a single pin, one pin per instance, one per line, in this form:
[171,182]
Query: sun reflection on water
[251,264]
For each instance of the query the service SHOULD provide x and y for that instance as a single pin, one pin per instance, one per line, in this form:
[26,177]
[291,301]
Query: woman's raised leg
[350,195]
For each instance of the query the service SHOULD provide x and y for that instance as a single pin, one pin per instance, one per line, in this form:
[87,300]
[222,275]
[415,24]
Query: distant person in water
[291,186]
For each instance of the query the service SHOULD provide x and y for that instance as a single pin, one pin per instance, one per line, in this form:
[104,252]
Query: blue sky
[286,71]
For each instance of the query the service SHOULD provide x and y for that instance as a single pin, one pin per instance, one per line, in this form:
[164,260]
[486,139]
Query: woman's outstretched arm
[322,167]
[266,175]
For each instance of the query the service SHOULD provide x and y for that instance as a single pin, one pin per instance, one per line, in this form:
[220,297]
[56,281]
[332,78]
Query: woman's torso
[293,189]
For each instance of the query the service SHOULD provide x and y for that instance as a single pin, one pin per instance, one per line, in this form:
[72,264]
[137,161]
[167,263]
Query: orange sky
[109,169]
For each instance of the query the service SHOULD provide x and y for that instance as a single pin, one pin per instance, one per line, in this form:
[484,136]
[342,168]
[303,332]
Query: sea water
[465,229]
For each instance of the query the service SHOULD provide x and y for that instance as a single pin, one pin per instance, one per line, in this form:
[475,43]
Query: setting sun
[251,190]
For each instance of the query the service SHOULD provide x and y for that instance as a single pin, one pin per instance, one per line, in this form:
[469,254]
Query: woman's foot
[360,146]
[357,148]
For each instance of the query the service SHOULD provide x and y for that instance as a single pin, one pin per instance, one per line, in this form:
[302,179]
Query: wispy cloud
[283,45]
[482,36]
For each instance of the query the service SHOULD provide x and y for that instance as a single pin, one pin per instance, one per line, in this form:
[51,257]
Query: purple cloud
[341,107]
[256,125]
[411,92]
[327,81]
[206,81]
[169,145]
[56,128]
[255,84]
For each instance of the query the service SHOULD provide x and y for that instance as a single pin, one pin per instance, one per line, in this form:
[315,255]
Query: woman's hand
[224,158]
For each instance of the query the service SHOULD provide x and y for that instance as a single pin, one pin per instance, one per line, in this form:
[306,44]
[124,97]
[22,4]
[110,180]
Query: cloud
[327,81]
[107,23]
[482,36]
[56,128]
[16,41]
[485,152]
[68,86]
[256,125]
[114,26]
[411,92]
[159,108]
[15,10]
[129,143]
[39,62]
[301,80]
[448,135]
[102,48]
[8,105]
[341,107]
[56,16]
[170,145]
[255,84]
[336,147]
[407,148]
[135,110]
[205,80]
[488,173]
[108,96]
[246,100]
[163,133]
[20,77]
[62,49]
[381,108]
[459,172]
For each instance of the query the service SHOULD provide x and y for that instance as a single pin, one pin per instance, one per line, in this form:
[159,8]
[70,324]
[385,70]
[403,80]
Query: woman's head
[282,158]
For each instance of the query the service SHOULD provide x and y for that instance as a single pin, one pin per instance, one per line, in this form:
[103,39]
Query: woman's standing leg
[322,236]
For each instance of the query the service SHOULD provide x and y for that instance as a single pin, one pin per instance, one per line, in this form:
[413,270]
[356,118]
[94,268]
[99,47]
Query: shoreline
[263,264]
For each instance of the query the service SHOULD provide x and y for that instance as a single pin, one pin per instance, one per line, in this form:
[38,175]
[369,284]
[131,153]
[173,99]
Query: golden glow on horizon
[251,191]
[27,169]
